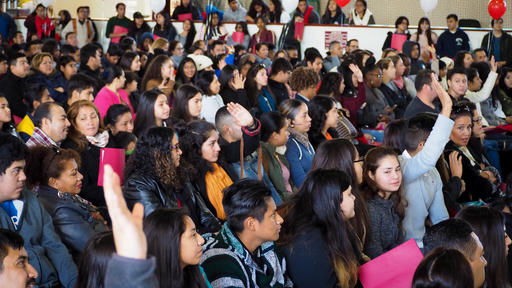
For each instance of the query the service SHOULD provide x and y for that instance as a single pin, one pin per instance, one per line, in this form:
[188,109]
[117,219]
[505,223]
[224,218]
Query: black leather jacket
[72,219]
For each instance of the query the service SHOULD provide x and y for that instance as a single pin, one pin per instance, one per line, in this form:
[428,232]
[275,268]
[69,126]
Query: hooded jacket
[416,64]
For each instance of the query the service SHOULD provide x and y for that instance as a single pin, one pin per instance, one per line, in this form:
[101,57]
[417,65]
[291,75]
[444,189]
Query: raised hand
[357,72]
[494,64]
[129,237]
[241,116]
[445,99]
[238,81]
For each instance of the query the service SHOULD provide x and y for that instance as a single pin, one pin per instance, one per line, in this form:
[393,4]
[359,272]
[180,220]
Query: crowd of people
[248,165]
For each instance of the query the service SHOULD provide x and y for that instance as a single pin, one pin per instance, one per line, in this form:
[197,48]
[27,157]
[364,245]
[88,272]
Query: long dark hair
[275,17]
[180,103]
[443,268]
[318,107]
[163,229]
[317,205]
[190,35]
[126,61]
[350,89]
[458,61]
[154,70]
[167,22]
[192,136]
[152,157]
[226,74]
[394,135]
[488,224]
[93,263]
[204,79]
[146,111]
[251,87]
[252,10]
[428,33]
[66,21]
[370,188]
[180,75]
[327,13]
[271,122]
[340,154]
[503,75]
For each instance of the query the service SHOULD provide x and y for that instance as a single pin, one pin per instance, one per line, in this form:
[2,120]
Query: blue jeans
[492,150]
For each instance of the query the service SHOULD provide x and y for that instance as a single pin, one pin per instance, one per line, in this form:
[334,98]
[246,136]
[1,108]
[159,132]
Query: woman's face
[261,78]
[342,85]
[400,68]
[467,60]
[210,148]
[375,78]
[391,71]
[195,104]
[271,6]
[332,6]
[189,69]
[507,241]
[131,86]
[70,180]
[461,131]
[508,80]
[121,80]
[302,6]
[175,151]
[160,19]
[124,123]
[186,26]
[302,122]
[402,26]
[167,69]
[347,205]
[135,66]
[215,19]
[358,167]
[280,139]
[258,8]
[478,129]
[331,119]
[190,244]
[87,121]
[424,26]
[46,66]
[239,28]
[359,7]
[215,86]
[388,175]
[162,108]
[69,70]
[5,111]
[178,50]
[139,21]
[260,24]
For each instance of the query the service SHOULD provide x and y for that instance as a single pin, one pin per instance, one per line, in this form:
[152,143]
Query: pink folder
[183,17]
[118,29]
[394,268]
[238,37]
[397,41]
[113,157]
[299,30]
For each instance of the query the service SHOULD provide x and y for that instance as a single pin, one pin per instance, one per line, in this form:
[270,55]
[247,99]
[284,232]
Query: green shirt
[113,21]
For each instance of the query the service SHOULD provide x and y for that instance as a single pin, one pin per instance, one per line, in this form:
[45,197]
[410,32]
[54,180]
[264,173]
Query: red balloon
[497,8]
[342,3]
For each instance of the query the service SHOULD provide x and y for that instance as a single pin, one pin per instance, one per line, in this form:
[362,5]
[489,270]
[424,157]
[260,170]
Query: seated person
[35,95]
[51,125]
[80,87]
[458,234]
[425,100]
[53,173]
[243,253]
[16,271]
[21,212]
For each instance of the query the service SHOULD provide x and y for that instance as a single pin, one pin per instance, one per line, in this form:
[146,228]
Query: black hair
[394,135]
[217,59]
[67,49]
[473,54]
[258,46]
[424,77]
[399,21]
[114,50]
[502,84]
[245,30]
[114,112]
[9,239]
[271,122]
[123,139]
[458,61]
[192,136]
[455,70]
[68,17]
[146,111]
[79,82]
[163,229]
[454,16]
[226,74]
[190,36]
[65,60]
[443,268]
[112,73]
[14,58]
[180,74]
[126,43]
[94,261]
[331,84]
[472,73]
[87,52]
[126,60]
[120,4]
[318,107]
[280,64]
[245,198]
[33,92]
[50,45]
[204,79]
[310,55]
[43,111]
[11,149]
[461,109]
[451,233]
[180,102]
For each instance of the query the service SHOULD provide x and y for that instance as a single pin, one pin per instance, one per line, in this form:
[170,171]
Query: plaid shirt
[40,138]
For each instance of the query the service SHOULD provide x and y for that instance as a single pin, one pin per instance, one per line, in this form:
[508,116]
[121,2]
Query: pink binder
[238,37]
[118,29]
[113,157]
[397,41]
[183,17]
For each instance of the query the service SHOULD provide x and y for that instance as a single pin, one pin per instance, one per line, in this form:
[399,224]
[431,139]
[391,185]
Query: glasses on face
[376,75]
[176,147]
[477,120]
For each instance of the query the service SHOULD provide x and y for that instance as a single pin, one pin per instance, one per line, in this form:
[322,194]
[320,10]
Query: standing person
[452,39]
[307,12]
[382,188]
[498,43]
[402,29]
[83,28]
[360,14]
[235,12]
[262,36]
[276,13]
[212,28]
[186,11]
[425,37]
[333,14]
[164,27]
[118,25]
[187,36]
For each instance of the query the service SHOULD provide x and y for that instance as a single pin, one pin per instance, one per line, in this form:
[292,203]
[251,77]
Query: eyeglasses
[477,120]
[376,75]
[175,147]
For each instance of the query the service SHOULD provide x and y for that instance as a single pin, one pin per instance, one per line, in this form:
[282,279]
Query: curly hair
[152,157]
[192,136]
[303,78]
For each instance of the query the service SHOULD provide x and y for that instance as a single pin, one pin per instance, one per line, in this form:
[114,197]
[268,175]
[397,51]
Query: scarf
[399,82]
[100,140]
[301,138]
[216,181]
[359,21]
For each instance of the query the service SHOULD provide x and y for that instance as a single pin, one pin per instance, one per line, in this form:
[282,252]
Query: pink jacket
[106,98]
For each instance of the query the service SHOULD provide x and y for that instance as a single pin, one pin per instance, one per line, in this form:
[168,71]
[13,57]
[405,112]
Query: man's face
[480,56]
[113,59]
[121,10]
[218,49]
[18,39]
[81,14]
[336,50]
[233,5]
[458,84]
[451,23]
[269,227]
[72,40]
[354,45]
[86,94]
[34,49]
[17,272]
[94,62]
[57,126]
[3,67]
[21,68]
[478,262]
[12,181]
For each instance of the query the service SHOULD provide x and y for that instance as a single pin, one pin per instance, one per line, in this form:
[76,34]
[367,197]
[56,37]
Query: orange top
[328,136]
[216,181]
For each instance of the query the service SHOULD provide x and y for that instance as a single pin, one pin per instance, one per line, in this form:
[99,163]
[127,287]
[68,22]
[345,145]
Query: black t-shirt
[416,106]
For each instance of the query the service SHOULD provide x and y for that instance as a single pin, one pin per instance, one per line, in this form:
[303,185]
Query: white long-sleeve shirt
[482,94]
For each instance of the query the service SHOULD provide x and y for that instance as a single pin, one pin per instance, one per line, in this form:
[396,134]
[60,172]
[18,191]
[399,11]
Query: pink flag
[113,157]
[394,268]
